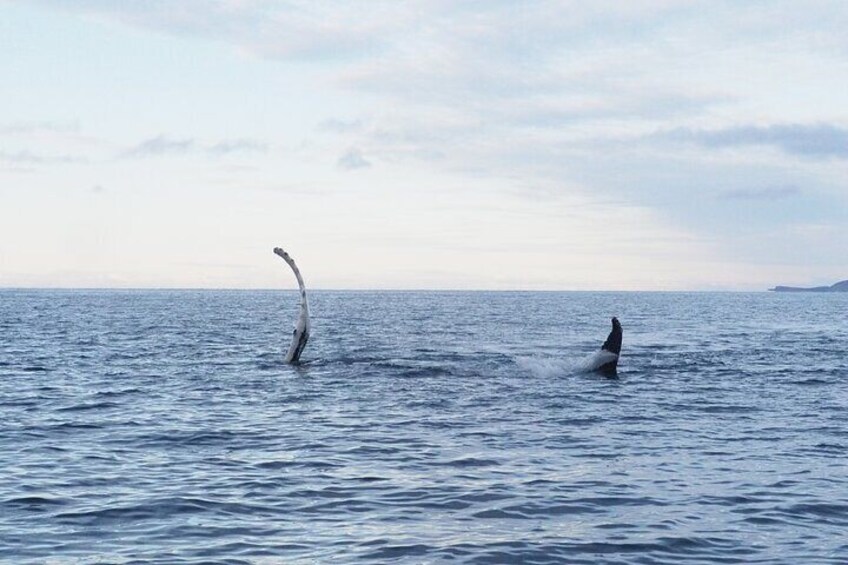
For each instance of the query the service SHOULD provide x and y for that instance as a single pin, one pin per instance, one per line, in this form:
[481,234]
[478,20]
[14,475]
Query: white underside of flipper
[301,329]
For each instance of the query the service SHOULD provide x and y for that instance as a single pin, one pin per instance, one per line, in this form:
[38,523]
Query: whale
[300,335]
[610,351]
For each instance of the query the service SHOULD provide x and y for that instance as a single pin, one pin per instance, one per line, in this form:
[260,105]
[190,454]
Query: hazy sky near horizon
[640,144]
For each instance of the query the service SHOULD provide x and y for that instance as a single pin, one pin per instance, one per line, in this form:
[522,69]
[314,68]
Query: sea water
[422,427]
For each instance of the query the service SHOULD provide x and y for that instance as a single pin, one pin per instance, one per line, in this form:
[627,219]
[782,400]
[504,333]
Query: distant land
[841,286]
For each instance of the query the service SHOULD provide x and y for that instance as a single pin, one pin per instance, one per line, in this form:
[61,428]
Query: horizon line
[328,289]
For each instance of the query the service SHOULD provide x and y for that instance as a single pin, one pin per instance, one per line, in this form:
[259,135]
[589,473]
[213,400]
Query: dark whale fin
[613,345]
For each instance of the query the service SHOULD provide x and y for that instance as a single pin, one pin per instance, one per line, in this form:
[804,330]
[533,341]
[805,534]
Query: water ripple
[161,427]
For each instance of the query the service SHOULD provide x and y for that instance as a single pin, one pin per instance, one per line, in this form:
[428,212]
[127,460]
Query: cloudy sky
[636,145]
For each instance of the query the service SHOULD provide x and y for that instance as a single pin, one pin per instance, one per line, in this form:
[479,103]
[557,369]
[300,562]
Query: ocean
[422,427]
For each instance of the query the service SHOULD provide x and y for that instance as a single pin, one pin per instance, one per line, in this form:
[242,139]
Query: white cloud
[163,145]
[26,157]
[353,159]
[336,125]
[159,145]
[767,193]
[805,140]
[237,146]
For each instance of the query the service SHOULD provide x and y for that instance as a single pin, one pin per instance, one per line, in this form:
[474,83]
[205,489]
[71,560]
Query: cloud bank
[804,140]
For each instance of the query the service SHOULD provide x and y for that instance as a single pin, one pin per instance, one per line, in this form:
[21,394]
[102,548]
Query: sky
[549,145]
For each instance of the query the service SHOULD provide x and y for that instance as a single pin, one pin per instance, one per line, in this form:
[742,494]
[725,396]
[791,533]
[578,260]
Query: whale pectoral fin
[300,332]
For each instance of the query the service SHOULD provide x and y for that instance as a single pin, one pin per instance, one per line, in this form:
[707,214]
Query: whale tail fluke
[613,346]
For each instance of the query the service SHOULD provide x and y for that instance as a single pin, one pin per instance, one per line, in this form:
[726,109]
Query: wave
[547,367]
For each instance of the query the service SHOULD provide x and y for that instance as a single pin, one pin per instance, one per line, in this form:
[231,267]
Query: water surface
[162,427]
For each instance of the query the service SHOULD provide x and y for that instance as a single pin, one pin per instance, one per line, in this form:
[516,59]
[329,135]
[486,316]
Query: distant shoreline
[841,286]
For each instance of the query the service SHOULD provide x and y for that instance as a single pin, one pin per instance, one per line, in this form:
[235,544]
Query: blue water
[162,427]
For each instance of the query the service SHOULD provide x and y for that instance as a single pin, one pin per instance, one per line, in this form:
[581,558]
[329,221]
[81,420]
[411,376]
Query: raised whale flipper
[301,328]
[613,345]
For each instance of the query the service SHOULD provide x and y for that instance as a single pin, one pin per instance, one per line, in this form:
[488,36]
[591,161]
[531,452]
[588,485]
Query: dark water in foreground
[161,427]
